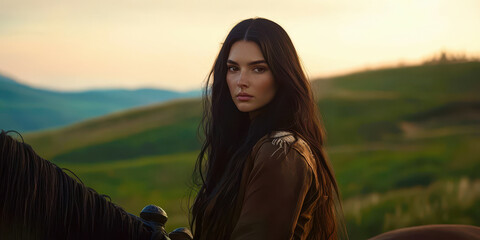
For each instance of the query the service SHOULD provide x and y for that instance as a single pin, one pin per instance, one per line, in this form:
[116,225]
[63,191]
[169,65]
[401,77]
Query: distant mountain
[25,108]
[6,79]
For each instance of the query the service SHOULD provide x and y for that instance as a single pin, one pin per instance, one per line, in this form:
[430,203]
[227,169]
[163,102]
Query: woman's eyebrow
[250,63]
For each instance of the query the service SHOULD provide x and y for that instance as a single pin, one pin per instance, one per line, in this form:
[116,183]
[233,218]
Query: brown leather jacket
[278,191]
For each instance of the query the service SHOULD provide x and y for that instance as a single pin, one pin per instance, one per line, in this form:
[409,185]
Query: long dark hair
[230,134]
[38,200]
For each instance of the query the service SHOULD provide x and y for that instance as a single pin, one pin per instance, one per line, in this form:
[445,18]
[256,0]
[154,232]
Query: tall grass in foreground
[453,202]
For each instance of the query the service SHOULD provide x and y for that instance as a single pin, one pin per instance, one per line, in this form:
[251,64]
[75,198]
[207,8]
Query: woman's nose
[243,80]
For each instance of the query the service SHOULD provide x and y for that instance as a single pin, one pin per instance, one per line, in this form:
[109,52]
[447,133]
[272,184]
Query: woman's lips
[244,97]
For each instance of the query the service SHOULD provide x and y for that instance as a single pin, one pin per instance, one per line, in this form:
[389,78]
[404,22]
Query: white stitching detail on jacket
[282,139]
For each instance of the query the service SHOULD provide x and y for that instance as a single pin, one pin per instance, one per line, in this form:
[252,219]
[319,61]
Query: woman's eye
[232,68]
[259,69]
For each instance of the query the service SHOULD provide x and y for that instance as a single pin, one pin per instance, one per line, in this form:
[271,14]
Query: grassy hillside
[381,102]
[111,129]
[134,183]
[403,142]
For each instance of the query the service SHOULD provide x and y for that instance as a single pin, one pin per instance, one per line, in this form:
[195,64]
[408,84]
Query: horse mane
[38,200]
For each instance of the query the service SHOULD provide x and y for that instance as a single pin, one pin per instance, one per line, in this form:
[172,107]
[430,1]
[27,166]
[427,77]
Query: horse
[39,200]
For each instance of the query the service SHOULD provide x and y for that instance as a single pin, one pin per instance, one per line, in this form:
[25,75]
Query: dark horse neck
[38,200]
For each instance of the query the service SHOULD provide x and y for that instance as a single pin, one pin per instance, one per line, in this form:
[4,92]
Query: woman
[263,170]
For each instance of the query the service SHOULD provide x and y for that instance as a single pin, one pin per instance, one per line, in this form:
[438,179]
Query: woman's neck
[254,114]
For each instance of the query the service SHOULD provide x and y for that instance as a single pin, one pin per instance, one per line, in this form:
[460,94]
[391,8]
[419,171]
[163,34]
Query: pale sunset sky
[77,45]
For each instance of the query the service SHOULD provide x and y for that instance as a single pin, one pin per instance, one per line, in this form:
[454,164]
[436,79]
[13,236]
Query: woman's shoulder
[283,145]
[282,140]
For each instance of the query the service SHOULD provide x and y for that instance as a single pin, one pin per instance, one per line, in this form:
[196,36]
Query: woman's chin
[245,108]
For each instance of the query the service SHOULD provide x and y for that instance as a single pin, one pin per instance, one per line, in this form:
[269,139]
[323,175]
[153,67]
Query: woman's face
[249,78]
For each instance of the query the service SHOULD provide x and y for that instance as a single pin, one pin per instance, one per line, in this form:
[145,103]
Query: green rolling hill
[403,142]
[137,130]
